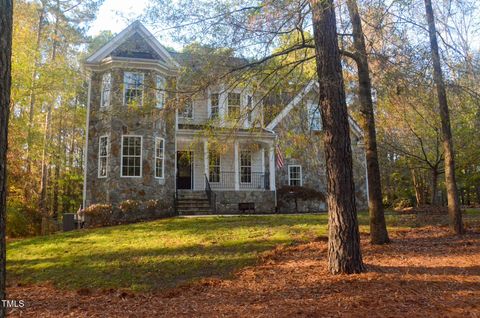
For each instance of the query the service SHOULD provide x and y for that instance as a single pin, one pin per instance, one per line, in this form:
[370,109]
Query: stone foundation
[302,206]
[227,201]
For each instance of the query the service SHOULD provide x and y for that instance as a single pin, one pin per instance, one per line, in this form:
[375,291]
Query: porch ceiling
[191,136]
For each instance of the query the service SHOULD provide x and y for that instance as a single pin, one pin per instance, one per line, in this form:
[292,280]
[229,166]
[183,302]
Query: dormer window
[214,105]
[160,91]
[106,89]
[133,88]
[234,105]
[314,117]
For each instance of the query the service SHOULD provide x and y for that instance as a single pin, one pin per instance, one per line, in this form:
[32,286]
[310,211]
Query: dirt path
[423,273]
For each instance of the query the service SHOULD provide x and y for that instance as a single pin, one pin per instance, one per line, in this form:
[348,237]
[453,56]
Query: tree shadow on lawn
[198,226]
[140,269]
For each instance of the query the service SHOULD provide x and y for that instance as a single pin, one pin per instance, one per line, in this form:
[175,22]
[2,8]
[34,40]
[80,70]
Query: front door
[184,169]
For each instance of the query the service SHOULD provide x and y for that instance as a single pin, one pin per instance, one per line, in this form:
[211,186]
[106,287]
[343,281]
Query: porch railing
[210,195]
[225,180]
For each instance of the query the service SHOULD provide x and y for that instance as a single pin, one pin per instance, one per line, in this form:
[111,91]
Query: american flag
[279,160]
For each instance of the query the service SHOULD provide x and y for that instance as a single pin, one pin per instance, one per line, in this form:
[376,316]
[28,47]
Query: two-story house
[201,153]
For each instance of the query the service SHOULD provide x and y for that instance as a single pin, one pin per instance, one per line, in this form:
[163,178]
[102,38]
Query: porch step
[192,194]
[193,203]
[194,212]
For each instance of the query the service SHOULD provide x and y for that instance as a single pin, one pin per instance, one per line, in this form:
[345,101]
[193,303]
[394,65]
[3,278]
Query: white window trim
[240,106]
[141,157]
[157,140]
[182,113]
[125,87]
[107,156]
[301,174]
[158,90]
[240,166]
[310,106]
[109,93]
[209,110]
[219,165]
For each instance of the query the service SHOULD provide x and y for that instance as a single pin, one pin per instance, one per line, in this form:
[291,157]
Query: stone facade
[227,201]
[300,145]
[304,147]
[116,120]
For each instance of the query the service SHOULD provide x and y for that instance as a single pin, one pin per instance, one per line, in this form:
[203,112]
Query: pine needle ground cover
[424,272]
[155,255]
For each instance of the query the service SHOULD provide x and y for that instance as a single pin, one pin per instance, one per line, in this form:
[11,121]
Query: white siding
[198,168]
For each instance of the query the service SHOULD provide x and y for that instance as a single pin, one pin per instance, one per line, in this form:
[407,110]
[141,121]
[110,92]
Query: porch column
[205,161]
[235,158]
[271,166]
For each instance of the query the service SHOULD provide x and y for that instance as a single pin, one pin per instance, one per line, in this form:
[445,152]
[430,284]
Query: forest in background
[48,108]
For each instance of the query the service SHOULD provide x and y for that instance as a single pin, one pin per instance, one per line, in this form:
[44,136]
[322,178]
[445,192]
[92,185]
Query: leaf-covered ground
[425,272]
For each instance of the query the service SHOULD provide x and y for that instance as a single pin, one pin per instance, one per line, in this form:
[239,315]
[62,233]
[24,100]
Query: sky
[116,15]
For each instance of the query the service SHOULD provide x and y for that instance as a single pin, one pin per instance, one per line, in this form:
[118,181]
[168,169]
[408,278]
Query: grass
[160,254]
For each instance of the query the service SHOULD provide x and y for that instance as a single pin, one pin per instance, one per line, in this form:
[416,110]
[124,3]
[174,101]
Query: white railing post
[271,166]
[205,161]
[237,177]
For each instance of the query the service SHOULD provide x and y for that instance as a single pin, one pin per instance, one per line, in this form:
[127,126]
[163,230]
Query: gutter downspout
[85,154]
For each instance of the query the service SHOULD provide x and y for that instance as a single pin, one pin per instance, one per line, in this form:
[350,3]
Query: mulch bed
[425,272]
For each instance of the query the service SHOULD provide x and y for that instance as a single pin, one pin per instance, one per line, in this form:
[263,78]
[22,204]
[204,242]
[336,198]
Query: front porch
[240,163]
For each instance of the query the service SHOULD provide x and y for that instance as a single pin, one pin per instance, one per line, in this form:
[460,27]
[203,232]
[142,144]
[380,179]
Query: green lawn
[159,254]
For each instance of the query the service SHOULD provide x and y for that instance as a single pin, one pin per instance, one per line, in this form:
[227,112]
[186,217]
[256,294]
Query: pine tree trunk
[378,227]
[31,112]
[56,177]
[477,192]
[44,174]
[454,211]
[344,254]
[419,187]
[6,14]
[434,186]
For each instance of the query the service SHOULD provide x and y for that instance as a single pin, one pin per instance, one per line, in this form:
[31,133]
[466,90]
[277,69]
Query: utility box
[68,222]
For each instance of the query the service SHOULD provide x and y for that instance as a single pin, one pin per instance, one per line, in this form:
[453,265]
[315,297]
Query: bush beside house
[298,199]
[128,211]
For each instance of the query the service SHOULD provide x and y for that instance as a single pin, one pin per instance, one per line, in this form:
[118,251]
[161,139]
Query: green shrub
[22,220]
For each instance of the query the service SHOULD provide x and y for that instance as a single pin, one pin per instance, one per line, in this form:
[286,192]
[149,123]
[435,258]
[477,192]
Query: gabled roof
[297,99]
[119,39]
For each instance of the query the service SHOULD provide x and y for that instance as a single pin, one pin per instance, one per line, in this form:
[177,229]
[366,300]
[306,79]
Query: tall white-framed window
[131,164]
[159,158]
[133,88]
[160,91]
[233,102]
[188,105]
[245,166]
[214,105]
[295,175]
[106,90]
[103,156]
[314,117]
[214,166]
